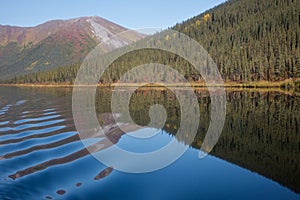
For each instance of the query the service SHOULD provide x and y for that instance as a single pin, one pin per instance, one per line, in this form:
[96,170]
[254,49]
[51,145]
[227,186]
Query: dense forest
[249,40]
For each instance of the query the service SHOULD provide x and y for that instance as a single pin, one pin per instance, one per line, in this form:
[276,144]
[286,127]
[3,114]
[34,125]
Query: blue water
[35,126]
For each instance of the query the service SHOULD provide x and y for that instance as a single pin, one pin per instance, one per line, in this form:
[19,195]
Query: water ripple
[34,136]
[24,126]
[36,119]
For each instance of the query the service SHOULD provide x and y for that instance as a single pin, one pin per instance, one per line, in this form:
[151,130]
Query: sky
[133,14]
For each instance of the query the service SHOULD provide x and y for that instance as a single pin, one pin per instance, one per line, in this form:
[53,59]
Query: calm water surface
[256,157]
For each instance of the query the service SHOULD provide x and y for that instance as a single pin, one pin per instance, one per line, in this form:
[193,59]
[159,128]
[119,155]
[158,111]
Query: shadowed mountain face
[56,43]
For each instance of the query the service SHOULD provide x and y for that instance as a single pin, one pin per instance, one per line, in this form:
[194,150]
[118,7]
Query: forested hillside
[249,40]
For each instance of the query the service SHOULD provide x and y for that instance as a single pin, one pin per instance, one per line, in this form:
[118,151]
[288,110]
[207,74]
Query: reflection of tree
[261,131]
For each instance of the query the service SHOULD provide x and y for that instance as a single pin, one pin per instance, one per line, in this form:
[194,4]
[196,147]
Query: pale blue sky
[129,13]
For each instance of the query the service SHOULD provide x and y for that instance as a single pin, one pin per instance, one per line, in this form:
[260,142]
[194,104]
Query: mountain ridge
[9,33]
[55,43]
[249,40]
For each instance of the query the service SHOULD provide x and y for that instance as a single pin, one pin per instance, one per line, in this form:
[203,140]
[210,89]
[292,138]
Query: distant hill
[55,43]
[249,40]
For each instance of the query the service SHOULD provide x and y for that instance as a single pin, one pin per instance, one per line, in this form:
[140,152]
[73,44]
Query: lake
[256,157]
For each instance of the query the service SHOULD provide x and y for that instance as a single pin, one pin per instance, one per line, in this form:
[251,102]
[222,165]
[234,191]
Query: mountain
[249,40]
[55,43]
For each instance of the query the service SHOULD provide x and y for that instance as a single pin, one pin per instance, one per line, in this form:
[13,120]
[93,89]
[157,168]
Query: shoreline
[288,87]
[286,84]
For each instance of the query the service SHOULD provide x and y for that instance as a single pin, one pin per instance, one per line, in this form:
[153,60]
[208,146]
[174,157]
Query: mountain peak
[33,35]
[57,42]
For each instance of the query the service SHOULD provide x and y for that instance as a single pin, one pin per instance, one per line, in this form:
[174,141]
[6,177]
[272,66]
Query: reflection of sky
[144,145]
[187,178]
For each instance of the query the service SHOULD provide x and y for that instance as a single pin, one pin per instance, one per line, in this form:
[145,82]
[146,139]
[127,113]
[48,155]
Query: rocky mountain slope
[56,43]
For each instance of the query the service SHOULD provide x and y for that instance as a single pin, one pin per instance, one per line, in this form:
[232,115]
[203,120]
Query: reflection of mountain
[261,131]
